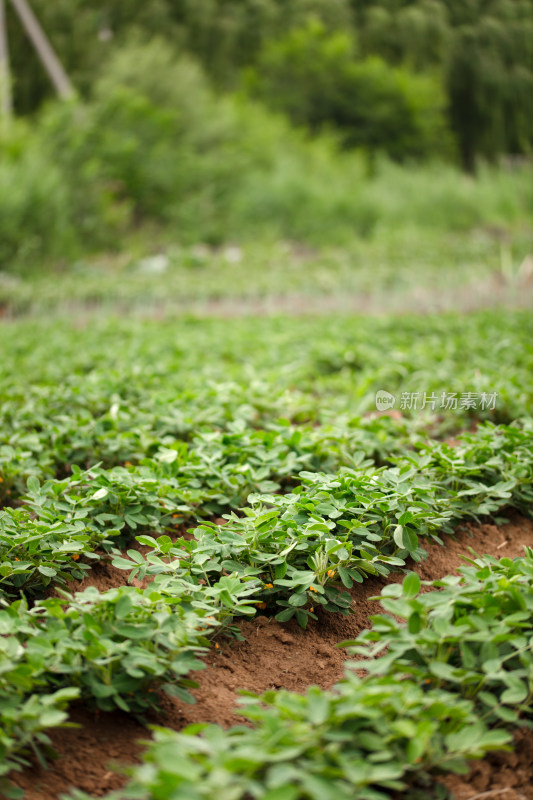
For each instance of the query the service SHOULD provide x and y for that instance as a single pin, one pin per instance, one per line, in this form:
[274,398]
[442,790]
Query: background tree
[316,77]
[484,52]
[384,73]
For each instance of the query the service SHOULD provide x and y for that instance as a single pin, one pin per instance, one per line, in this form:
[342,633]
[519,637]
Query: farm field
[396,271]
[266,392]
[196,506]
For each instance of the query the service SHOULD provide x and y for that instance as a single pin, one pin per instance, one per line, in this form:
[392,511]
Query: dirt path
[274,656]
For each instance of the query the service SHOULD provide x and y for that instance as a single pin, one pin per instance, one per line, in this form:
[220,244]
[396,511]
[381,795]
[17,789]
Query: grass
[401,272]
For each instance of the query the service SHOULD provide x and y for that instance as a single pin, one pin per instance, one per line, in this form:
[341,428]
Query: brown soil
[272,656]
[86,754]
[501,776]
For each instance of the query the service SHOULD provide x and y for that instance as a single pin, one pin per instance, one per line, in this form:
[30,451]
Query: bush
[314,76]
[156,142]
[35,219]
[156,147]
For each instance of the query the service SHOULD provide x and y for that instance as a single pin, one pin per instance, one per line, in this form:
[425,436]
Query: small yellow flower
[75,557]
[217,647]
[311,610]
[269,585]
[312,589]
[331,573]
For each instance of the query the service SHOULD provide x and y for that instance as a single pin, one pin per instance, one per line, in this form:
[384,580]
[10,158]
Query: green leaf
[302,618]
[33,484]
[318,706]
[298,599]
[280,570]
[345,577]
[398,536]
[414,623]
[285,615]
[406,518]
[48,571]
[123,607]
[411,585]
[516,693]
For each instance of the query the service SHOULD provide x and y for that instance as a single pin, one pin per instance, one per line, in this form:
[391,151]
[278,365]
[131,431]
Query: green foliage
[484,54]
[249,415]
[114,649]
[201,406]
[315,77]
[35,218]
[171,153]
[462,661]
[79,32]
[190,164]
[473,636]
[491,88]
[334,530]
[111,452]
[27,706]
[35,551]
[156,152]
[362,740]
[269,186]
[114,645]
[471,62]
[415,33]
[222,34]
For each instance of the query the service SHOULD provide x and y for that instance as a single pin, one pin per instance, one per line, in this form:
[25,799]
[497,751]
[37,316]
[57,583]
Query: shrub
[315,77]
[35,219]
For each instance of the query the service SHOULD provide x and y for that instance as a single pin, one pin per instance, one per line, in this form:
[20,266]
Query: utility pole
[6,105]
[44,49]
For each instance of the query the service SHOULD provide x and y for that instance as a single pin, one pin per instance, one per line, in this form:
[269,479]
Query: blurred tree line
[410,78]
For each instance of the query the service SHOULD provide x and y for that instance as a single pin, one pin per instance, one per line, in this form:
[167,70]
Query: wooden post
[6,104]
[50,61]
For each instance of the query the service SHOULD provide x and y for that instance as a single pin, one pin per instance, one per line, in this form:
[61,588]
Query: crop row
[325,526]
[234,461]
[177,425]
[114,649]
[449,674]
[307,546]
[69,397]
[289,554]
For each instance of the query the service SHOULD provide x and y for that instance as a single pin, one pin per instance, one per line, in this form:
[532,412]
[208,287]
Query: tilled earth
[275,656]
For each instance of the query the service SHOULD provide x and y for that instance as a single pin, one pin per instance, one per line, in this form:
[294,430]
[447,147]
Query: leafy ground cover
[230,467]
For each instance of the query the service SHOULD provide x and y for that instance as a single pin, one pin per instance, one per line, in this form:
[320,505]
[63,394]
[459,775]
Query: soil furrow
[273,655]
